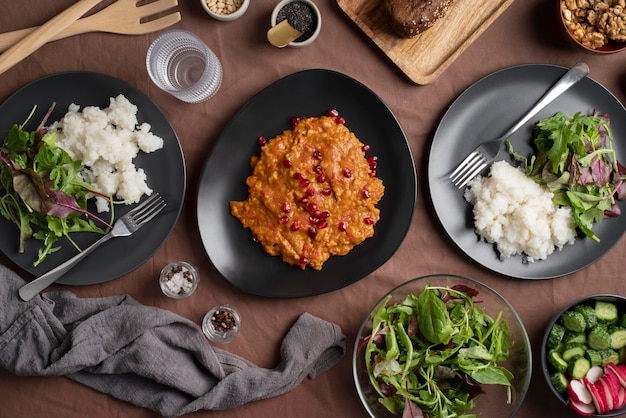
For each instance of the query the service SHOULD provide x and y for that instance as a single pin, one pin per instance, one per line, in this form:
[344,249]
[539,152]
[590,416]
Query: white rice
[106,141]
[518,215]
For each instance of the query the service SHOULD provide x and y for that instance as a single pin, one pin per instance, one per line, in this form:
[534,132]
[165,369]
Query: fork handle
[30,290]
[571,77]
[44,33]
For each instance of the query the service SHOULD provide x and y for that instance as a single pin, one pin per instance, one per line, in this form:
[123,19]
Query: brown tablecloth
[524,33]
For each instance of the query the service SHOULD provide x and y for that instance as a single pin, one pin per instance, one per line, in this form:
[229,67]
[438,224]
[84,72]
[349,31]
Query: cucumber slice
[559,381]
[618,337]
[609,356]
[606,312]
[573,350]
[556,335]
[594,357]
[589,313]
[555,359]
[578,367]
[575,337]
[599,338]
[573,321]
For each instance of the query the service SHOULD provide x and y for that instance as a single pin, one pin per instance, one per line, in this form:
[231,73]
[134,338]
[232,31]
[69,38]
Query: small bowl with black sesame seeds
[303,15]
[225,10]
[221,324]
[179,279]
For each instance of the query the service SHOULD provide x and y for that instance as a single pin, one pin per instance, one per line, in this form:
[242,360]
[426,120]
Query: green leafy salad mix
[41,190]
[429,354]
[575,159]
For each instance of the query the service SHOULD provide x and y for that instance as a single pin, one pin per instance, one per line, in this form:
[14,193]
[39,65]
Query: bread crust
[409,18]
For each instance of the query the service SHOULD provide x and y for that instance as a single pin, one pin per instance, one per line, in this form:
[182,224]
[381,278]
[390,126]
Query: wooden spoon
[282,34]
[44,33]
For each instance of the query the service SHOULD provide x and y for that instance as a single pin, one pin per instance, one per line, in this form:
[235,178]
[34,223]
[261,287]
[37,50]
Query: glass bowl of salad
[583,355]
[442,344]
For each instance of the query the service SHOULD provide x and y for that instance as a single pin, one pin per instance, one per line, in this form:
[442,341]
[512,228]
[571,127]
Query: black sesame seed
[301,16]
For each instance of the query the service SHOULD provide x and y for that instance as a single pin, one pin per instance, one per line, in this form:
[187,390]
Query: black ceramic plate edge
[487,109]
[165,169]
[229,246]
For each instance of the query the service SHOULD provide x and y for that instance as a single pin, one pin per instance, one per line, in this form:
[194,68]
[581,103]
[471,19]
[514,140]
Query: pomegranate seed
[312,207]
[317,213]
[321,178]
[347,172]
[304,183]
[312,231]
[286,207]
[326,191]
[262,140]
[322,224]
[373,173]
[295,226]
[310,192]
[283,220]
[317,155]
[303,260]
[325,215]
[287,163]
[343,225]
[318,169]
[339,120]
[313,220]
[368,221]
[295,120]
[333,113]
[304,200]
[298,176]
[373,162]
[365,148]
[365,194]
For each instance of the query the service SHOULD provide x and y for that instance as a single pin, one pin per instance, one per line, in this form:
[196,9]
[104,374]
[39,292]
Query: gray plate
[486,110]
[307,93]
[165,170]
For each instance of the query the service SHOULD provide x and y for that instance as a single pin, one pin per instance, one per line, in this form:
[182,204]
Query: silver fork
[124,226]
[486,152]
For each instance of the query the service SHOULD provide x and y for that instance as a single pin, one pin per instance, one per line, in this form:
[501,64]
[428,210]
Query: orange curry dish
[313,192]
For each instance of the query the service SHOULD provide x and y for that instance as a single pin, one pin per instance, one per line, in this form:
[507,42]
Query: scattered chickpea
[224,7]
[595,22]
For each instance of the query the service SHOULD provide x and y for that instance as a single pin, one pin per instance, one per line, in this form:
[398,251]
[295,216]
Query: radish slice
[578,392]
[581,408]
[594,374]
[596,397]
[605,392]
[620,371]
[621,398]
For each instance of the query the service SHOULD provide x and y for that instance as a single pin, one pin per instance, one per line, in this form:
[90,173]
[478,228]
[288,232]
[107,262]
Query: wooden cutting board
[423,58]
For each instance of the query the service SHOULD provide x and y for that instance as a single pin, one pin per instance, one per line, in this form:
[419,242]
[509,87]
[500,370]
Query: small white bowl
[315,32]
[225,16]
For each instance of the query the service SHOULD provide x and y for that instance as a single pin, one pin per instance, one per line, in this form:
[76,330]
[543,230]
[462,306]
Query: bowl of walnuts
[597,26]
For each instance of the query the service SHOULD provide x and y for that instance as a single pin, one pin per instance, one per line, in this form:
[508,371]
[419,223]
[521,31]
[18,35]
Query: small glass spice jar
[303,15]
[179,279]
[221,324]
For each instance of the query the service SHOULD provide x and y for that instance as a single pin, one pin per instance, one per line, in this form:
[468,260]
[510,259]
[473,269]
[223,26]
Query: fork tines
[469,168]
[148,209]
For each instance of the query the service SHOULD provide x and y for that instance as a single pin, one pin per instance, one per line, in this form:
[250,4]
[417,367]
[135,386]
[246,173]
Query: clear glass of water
[181,64]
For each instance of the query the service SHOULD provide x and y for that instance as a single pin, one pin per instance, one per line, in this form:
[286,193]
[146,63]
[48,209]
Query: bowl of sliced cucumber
[583,355]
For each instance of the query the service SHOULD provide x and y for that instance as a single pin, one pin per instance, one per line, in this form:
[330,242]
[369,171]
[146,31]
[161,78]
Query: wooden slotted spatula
[122,17]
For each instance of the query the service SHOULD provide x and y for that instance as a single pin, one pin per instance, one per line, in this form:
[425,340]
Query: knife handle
[44,33]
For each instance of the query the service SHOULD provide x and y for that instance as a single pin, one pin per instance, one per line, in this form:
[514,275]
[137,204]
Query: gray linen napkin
[147,356]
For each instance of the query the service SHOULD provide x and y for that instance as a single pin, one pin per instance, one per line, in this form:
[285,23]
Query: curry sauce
[312,194]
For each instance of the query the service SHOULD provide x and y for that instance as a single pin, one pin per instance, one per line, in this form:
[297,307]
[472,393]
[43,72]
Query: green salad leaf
[431,352]
[41,190]
[575,159]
